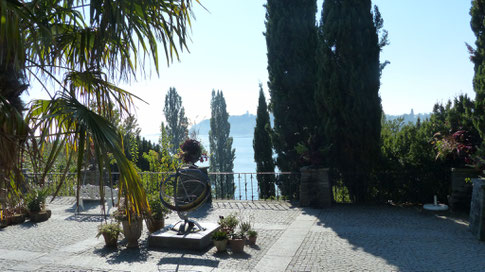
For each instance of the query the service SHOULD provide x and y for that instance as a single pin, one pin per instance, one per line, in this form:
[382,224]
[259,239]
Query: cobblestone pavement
[341,238]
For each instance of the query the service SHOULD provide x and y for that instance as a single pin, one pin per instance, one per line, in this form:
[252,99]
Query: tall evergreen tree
[222,153]
[477,12]
[347,96]
[291,42]
[177,123]
[263,151]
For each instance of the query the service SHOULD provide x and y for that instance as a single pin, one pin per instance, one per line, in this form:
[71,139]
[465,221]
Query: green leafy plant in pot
[237,242]
[110,232]
[35,201]
[229,223]
[252,236]
[156,219]
[220,240]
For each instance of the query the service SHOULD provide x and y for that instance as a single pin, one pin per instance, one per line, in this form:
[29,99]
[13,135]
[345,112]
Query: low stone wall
[315,188]
[477,209]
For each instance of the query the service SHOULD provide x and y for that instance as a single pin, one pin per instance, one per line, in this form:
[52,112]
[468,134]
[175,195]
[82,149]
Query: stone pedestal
[315,188]
[461,191]
[167,238]
[477,209]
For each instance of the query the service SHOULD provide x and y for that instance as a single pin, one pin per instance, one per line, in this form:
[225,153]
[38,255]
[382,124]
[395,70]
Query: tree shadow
[404,237]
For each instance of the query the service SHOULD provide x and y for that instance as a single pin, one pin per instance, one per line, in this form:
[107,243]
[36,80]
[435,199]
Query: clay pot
[40,216]
[110,240]
[132,231]
[17,219]
[252,240]
[221,245]
[154,224]
[237,245]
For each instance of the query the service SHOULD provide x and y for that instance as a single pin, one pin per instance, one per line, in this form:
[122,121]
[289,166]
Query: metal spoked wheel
[186,190]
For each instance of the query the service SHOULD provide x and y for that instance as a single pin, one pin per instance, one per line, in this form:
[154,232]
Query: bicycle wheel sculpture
[184,192]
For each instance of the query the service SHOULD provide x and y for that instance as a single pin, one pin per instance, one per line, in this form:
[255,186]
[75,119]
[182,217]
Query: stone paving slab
[341,238]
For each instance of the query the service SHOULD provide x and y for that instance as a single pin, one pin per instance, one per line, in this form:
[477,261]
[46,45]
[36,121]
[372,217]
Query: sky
[429,61]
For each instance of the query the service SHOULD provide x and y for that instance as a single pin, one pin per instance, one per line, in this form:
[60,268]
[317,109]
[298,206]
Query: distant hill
[243,125]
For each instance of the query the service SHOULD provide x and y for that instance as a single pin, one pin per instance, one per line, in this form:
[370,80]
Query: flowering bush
[458,146]
[191,152]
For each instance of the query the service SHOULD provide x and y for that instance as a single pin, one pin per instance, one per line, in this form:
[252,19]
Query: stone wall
[461,191]
[477,209]
[315,188]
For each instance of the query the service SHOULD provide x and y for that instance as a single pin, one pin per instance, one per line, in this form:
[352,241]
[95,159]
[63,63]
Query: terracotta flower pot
[252,240]
[40,216]
[17,219]
[110,240]
[154,224]
[237,245]
[132,231]
[221,245]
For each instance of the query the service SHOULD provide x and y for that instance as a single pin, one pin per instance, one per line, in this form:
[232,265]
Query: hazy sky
[429,59]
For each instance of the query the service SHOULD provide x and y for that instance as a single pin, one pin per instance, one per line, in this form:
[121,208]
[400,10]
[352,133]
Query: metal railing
[224,185]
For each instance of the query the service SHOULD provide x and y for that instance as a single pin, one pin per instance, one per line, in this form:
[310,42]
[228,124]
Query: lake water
[246,185]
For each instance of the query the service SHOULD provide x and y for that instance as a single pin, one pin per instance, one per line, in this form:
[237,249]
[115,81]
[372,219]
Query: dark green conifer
[263,151]
[291,43]
[222,154]
[177,123]
[347,95]
[478,57]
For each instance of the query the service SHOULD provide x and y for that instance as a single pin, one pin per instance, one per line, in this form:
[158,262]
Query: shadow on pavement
[182,260]
[402,236]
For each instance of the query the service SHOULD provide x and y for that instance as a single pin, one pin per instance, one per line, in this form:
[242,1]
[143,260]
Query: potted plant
[458,149]
[132,225]
[191,151]
[237,242]
[156,219]
[220,240]
[245,226]
[228,224]
[35,200]
[252,236]
[110,232]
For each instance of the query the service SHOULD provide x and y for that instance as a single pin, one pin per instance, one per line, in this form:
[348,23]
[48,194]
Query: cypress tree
[347,95]
[263,152]
[477,12]
[177,123]
[291,43]
[222,153]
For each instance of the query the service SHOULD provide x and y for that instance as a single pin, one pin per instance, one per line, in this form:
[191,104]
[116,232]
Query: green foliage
[347,96]
[35,199]
[219,236]
[111,229]
[291,42]
[159,211]
[478,58]
[263,151]
[245,226]
[83,53]
[177,123]
[252,233]
[222,154]
[229,223]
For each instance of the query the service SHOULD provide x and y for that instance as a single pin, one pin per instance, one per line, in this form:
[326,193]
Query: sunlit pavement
[341,238]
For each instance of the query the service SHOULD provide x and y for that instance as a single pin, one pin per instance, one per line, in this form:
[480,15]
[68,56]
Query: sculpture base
[167,238]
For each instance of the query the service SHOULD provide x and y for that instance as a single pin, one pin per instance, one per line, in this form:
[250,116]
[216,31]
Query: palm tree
[85,47]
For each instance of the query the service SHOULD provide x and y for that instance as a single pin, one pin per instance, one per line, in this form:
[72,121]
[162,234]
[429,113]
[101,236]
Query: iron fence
[224,185]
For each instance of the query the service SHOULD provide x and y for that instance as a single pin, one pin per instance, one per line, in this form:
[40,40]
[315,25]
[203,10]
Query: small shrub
[219,236]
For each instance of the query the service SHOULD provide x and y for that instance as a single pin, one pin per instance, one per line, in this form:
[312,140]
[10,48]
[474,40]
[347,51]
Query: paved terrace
[342,238]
